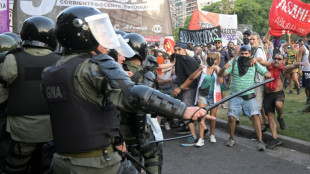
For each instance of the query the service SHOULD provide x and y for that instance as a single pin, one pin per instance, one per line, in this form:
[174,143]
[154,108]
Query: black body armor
[25,97]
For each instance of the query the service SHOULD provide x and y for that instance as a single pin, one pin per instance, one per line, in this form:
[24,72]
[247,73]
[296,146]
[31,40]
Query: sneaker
[282,123]
[291,92]
[261,146]
[274,143]
[167,126]
[230,142]
[191,141]
[182,131]
[212,139]
[200,142]
[298,91]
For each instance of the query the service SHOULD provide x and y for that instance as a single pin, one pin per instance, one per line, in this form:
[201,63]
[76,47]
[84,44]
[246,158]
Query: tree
[187,21]
[176,34]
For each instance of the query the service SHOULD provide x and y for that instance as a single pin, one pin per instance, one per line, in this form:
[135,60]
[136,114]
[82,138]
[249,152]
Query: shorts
[208,100]
[259,92]
[271,99]
[238,104]
[305,79]
[188,97]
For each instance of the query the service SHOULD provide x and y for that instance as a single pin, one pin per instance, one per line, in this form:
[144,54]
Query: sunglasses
[218,42]
[278,58]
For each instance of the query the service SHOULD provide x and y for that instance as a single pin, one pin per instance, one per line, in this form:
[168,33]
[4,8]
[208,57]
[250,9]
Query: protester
[274,94]
[243,73]
[246,41]
[184,67]
[209,92]
[302,56]
[28,120]
[258,52]
[224,59]
[291,53]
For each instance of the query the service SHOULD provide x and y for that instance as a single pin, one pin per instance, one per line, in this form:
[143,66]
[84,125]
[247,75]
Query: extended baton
[232,96]
[167,139]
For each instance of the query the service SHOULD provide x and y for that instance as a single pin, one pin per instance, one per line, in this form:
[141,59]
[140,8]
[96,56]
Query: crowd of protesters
[205,83]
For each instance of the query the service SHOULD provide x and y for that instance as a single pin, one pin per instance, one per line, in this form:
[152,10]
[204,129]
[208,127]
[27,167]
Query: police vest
[78,125]
[25,96]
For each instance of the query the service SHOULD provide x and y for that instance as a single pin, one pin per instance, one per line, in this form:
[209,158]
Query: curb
[288,142]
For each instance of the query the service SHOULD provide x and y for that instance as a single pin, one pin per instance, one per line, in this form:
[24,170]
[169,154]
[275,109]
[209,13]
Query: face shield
[102,30]
[124,48]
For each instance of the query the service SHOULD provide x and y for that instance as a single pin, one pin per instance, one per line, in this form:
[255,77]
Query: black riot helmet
[82,28]
[38,31]
[120,32]
[7,43]
[15,37]
[137,43]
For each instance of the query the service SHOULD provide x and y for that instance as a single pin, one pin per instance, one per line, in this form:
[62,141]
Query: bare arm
[222,70]
[188,81]
[261,61]
[289,68]
[167,65]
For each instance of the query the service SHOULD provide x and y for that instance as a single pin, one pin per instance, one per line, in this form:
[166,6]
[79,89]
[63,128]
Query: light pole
[227,6]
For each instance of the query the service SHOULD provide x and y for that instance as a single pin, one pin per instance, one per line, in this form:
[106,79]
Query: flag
[289,15]
[194,23]
[4,16]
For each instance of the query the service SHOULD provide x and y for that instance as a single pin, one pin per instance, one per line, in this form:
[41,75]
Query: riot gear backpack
[138,44]
[38,31]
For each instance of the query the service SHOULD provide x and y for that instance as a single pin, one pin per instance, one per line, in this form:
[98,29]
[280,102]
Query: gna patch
[55,92]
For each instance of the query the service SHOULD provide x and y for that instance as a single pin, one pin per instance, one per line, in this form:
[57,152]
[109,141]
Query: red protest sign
[289,15]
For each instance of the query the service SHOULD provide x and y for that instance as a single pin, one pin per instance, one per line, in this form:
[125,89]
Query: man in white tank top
[303,55]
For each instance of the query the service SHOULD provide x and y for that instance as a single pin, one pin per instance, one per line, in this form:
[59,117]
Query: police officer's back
[28,120]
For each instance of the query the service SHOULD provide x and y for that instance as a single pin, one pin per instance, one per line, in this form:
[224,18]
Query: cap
[182,45]
[218,39]
[245,48]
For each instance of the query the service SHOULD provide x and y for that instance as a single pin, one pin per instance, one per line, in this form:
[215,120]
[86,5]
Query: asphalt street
[243,158]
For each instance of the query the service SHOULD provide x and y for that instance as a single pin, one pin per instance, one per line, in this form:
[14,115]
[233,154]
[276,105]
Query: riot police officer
[28,120]
[80,89]
[138,131]
[7,44]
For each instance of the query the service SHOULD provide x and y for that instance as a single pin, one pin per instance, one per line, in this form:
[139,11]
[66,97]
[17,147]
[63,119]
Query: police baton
[167,139]
[131,158]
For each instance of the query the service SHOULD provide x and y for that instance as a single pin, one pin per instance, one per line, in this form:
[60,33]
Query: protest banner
[4,16]
[289,15]
[148,18]
[228,24]
[199,37]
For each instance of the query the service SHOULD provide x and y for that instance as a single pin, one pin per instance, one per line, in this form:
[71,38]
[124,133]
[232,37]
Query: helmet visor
[124,49]
[102,30]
